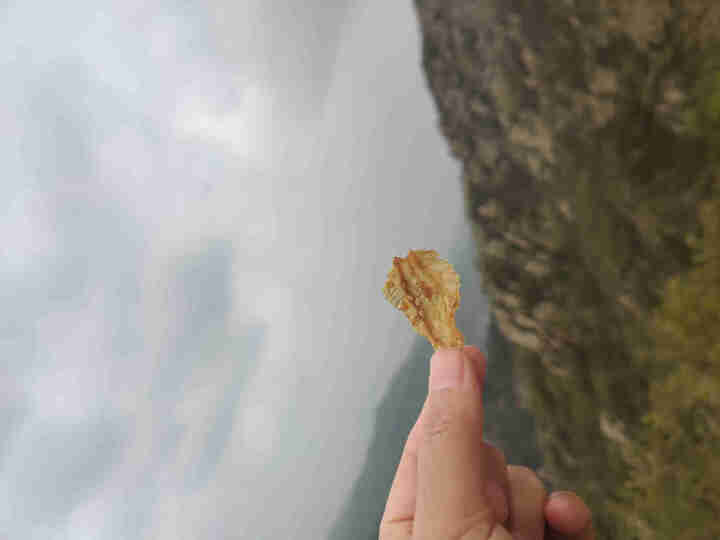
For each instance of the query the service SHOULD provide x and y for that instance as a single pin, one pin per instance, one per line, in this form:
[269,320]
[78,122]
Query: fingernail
[447,367]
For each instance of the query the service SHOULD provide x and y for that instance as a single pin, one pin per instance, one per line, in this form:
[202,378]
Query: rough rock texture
[588,133]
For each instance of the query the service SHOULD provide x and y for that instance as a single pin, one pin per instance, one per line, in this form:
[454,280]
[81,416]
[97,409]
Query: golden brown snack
[427,289]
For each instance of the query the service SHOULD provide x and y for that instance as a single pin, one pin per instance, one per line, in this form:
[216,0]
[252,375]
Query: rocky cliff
[589,133]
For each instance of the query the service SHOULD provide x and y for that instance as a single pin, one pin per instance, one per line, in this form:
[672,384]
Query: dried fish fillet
[427,289]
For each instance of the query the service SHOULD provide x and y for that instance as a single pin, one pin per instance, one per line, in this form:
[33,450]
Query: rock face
[588,133]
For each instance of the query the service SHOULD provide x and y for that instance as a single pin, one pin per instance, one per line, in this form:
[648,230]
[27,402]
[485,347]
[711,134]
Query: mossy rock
[590,131]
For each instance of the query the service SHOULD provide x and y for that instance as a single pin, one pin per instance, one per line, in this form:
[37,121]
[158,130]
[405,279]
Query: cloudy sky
[198,207]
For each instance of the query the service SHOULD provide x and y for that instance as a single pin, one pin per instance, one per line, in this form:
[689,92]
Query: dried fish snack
[427,289]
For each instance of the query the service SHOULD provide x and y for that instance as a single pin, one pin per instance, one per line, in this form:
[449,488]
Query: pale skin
[451,485]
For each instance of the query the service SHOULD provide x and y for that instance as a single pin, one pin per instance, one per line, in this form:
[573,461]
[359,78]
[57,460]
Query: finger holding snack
[449,482]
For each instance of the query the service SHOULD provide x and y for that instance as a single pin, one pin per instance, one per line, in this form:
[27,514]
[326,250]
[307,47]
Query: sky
[199,206]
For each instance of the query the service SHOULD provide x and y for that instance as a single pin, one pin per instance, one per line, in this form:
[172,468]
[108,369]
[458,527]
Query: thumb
[452,473]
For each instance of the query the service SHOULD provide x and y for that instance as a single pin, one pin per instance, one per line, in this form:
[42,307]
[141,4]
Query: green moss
[705,118]
[675,486]
[713,101]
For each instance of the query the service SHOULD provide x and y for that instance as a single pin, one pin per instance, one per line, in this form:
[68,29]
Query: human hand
[451,485]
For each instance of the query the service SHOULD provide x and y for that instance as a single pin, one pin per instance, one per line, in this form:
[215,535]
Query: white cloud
[74,382]
[25,233]
[245,130]
[87,520]
[258,432]
[164,34]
